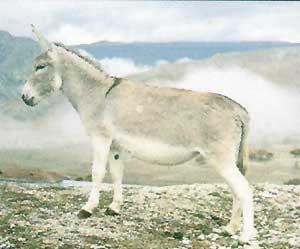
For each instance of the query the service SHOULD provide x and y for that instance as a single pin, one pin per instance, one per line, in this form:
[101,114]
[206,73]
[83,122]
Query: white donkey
[165,126]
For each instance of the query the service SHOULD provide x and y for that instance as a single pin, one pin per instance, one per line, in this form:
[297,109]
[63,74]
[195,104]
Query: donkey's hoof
[83,214]
[248,237]
[111,212]
[231,229]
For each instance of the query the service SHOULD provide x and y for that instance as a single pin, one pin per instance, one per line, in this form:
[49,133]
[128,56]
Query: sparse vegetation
[295,152]
[79,178]
[87,178]
[295,181]
[188,216]
[260,155]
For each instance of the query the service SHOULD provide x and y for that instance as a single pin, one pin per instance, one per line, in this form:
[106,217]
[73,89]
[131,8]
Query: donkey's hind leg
[235,221]
[241,189]
[116,168]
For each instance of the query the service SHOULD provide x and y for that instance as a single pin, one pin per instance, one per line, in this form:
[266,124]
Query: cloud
[74,22]
[60,127]
[122,67]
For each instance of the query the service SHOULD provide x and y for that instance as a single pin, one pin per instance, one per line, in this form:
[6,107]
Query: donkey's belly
[153,151]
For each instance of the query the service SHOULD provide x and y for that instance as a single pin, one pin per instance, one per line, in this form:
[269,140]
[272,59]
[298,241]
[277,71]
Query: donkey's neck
[83,84]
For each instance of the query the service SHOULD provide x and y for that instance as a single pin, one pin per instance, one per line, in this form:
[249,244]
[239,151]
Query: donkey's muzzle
[28,101]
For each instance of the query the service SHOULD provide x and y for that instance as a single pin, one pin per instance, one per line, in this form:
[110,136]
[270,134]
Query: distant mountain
[16,58]
[278,65]
[17,55]
[146,53]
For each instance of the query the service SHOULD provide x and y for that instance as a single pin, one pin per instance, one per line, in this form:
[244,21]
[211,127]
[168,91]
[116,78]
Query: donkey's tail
[242,160]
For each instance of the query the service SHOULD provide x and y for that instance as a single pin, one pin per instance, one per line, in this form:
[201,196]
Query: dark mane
[87,59]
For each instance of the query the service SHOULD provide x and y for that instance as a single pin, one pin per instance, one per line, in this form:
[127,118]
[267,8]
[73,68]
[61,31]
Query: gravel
[184,216]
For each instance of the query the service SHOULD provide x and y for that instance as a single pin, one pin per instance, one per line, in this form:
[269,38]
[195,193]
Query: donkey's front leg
[116,170]
[101,146]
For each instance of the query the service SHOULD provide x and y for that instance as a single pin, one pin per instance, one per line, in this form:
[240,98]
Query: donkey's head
[46,77]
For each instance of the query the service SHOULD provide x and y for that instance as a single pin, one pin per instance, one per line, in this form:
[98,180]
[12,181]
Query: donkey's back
[176,116]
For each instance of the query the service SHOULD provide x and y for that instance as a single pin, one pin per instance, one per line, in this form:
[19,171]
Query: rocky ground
[186,216]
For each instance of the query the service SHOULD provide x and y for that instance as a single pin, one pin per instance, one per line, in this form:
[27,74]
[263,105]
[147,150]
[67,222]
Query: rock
[84,214]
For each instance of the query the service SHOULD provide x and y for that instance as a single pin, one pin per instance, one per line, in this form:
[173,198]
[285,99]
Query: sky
[77,22]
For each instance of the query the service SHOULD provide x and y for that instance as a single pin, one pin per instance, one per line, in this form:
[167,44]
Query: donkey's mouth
[28,101]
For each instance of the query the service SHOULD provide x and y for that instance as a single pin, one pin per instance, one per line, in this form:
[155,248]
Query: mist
[273,106]
[59,126]
[122,67]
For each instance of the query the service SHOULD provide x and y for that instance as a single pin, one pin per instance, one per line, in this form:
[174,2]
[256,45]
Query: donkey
[166,126]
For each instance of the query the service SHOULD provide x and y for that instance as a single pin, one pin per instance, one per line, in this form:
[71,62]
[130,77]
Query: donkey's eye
[39,67]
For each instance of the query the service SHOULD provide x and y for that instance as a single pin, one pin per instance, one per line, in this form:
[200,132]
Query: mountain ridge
[17,55]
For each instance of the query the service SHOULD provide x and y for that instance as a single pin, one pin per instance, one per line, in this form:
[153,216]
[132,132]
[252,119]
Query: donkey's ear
[44,43]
